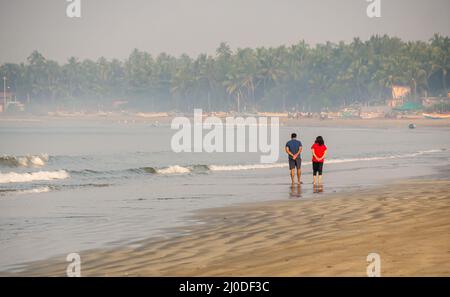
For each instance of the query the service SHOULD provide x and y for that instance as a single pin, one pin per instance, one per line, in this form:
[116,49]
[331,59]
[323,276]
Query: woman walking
[319,151]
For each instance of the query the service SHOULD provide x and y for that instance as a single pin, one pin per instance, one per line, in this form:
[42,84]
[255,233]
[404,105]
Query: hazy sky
[112,28]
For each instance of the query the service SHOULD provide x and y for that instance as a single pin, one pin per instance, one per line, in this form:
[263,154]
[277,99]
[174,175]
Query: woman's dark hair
[319,140]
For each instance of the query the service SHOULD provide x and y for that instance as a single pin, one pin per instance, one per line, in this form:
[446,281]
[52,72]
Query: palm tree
[440,54]
[266,77]
[233,88]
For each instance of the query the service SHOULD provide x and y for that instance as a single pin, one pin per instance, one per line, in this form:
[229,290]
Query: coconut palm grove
[299,76]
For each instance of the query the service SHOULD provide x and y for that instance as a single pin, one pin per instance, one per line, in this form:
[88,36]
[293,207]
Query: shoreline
[405,222]
[166,120]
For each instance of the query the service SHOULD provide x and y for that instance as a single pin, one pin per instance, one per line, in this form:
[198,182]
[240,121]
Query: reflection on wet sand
[295,191]
[317,189]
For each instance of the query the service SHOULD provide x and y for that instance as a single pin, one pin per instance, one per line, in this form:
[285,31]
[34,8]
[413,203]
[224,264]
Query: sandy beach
[406,223]
[161,139]
[129,119]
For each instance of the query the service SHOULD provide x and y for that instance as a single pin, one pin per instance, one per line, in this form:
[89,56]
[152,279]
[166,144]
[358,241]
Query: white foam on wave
[411,155]
[24,161]
[14,177]
[330,161]
[38,160]
[176,169]
[35,190]
[246,167]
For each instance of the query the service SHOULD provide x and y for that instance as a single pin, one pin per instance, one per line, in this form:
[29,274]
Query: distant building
[395,102]
[430,101]
[399,93]
[409,106]
[15,106]
[377,111]
[5,97]
[9,103]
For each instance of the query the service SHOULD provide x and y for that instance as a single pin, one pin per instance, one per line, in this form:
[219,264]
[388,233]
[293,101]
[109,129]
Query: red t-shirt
[319,150]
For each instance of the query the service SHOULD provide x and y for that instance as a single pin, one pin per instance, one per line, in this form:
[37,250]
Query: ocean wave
[43,189]
[87,172]
[176,169]
[143,170]
[24,161]
[202,168]
[246,167]
[49,188]
[410,155]
[330,161]
[35,190]
[14,177]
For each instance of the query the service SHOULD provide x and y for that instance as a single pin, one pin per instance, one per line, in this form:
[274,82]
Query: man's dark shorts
[295,163]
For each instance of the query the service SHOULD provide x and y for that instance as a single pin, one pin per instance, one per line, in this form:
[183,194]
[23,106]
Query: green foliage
[300,76]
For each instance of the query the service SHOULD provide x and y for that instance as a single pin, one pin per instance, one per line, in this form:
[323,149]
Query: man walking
[294,149]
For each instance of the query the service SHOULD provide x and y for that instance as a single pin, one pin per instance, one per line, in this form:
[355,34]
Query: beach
[129,205]
[157,118]
[165,139]
[406,223]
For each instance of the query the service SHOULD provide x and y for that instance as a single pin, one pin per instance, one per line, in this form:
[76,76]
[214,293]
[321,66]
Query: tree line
[299,76]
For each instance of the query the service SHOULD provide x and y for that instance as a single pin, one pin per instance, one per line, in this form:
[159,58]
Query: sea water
[68,186]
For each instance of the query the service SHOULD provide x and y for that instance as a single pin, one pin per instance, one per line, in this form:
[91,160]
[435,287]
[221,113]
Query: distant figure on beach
[319,151]
[294,149]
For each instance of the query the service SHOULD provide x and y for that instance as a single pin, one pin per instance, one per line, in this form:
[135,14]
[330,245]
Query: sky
[113,28]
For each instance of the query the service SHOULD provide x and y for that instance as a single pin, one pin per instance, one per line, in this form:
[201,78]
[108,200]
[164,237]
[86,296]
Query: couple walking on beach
[294,149]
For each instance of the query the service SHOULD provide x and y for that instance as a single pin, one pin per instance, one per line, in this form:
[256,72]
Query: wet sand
[369,123]
[407,224]
[305,122]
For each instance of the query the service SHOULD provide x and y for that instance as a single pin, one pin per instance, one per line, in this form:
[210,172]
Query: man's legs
[292,175]
[299,174]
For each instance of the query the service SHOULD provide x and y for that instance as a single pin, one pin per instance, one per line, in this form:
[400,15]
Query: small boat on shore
[436,116]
